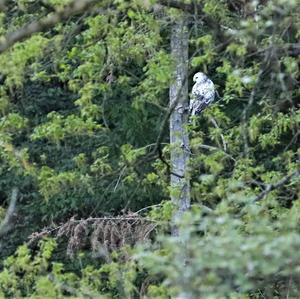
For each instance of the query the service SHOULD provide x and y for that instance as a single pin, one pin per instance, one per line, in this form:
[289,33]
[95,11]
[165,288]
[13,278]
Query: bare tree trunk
[179,142]
[179,139]
[6,225]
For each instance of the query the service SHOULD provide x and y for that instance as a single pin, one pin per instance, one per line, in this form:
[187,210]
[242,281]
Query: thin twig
[245,117]
[210,147]
[119,178]
[149,207]
[280,183]
[222,137]
[167,116]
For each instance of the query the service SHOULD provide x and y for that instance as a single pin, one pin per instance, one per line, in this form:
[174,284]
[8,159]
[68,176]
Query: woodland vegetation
[87,206]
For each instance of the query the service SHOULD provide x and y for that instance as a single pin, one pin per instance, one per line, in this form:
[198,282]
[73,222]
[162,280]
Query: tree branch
[76,7]
[48,22]
[280,183]
[3,5]
[165,121]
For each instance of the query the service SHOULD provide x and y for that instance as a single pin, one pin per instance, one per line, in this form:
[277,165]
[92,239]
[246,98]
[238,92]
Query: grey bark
[6,225]
[179,141]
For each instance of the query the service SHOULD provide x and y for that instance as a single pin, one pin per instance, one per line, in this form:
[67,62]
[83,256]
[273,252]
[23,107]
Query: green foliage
[21,264]
[216,9]
[237,251]
[26,275]
[205,43]
[13,64]
[59,128]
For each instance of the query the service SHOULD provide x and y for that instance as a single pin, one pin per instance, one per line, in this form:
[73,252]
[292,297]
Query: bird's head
[199,77]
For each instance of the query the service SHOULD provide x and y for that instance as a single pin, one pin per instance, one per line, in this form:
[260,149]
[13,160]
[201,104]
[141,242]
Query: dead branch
[102,235]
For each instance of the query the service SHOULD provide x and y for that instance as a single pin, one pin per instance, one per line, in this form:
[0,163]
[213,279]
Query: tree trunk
[179,142]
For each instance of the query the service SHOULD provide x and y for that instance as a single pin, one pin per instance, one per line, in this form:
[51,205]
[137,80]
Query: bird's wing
[195,88]
[196,94]
[208,90]
[199,106]
[202,95]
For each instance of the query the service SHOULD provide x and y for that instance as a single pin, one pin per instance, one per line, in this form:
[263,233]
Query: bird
[203,93]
